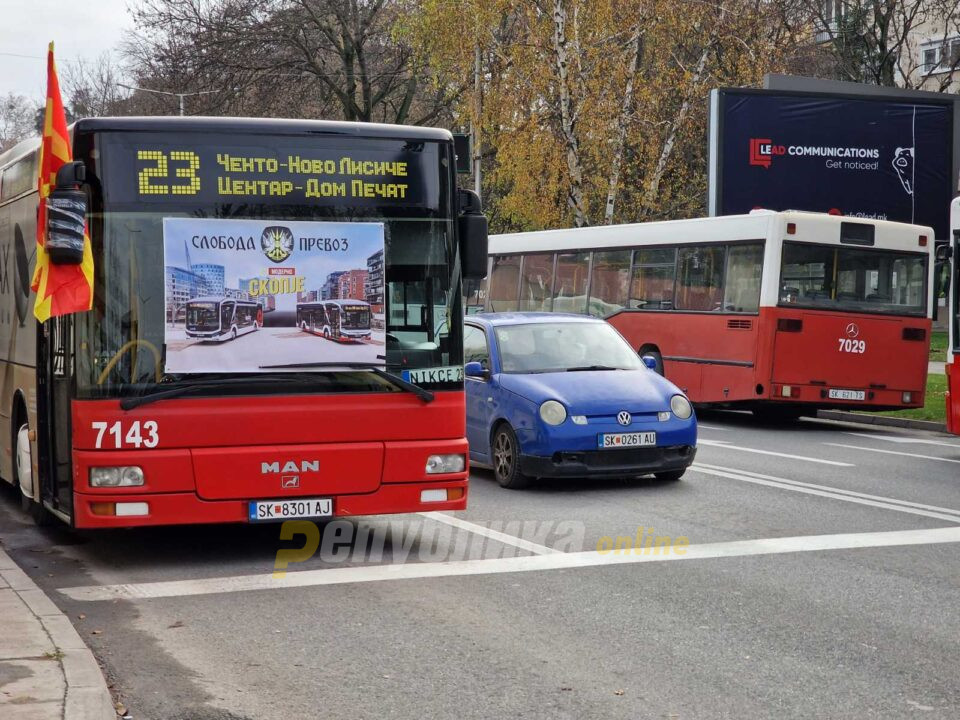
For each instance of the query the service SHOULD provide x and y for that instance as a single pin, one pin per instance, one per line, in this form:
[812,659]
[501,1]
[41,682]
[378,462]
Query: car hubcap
[503,455]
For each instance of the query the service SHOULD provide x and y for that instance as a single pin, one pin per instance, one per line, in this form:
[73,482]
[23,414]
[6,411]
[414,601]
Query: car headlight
[681,407]
[552,412]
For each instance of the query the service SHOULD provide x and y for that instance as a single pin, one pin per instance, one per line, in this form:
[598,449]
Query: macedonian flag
[60,289]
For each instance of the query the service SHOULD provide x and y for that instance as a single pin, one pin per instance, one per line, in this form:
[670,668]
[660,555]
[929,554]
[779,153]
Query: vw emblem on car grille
[623,417]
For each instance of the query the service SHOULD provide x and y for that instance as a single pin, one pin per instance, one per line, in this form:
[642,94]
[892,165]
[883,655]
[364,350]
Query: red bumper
[187,509]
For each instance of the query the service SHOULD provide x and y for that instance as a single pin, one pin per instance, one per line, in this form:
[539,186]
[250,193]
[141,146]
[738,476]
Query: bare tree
[347,59]
[95,88]
[16,120]
[879,41]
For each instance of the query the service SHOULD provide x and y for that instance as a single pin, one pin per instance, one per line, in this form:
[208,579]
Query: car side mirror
[650,361]
[476,370]
[67,216]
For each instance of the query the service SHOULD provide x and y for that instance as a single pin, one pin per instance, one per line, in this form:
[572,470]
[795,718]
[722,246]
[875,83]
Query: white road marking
[528,563]
[905,440]
[727,446]
[895,452]
[710,427]
[906,506]
[488,533]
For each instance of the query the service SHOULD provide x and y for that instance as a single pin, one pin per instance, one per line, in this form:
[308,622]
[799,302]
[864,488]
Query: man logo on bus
[852,330]
[277,243]
[762,151]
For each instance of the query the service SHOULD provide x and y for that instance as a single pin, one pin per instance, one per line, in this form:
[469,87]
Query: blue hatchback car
[554,395]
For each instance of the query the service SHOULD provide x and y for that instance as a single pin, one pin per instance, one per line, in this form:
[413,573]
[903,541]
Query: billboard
[869,158]
[268,295]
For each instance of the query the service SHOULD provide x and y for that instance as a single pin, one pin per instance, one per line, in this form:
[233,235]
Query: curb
[87,696]
[883,420]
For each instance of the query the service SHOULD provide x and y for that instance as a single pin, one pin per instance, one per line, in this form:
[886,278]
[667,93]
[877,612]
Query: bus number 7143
[149,437]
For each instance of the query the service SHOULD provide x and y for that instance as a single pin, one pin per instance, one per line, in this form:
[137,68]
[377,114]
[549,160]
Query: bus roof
[334,301]
[759,224]
[260,126]
[219,299]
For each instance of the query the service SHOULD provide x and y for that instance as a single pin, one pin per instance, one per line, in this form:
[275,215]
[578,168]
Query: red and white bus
[951,254]
[782,313]
[340,320]
[95,430]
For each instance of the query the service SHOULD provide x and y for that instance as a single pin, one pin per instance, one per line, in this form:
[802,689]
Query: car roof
[497,319]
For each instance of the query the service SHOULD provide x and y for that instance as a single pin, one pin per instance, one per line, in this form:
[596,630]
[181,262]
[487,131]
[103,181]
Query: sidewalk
[46,671]
[936,368]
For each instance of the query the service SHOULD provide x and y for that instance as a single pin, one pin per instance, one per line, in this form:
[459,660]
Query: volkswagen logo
[623,417]
[852,330]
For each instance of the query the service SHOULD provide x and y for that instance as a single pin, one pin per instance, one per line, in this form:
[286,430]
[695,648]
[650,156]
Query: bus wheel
[326,333]
[777,414]
[506,459]
[23,471]
[303,326]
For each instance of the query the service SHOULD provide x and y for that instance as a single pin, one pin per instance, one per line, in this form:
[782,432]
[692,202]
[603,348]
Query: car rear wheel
[506,459]
[671,476]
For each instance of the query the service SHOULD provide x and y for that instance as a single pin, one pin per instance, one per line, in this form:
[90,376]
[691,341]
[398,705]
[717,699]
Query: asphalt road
[820,580]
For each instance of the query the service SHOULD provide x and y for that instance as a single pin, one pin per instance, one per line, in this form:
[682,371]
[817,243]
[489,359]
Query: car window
[475,346]
[559,346]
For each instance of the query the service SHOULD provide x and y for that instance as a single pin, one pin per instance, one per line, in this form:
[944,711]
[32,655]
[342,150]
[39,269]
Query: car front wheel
[506,459]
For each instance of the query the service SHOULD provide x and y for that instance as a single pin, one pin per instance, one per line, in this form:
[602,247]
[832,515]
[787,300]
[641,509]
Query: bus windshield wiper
[377,370]
[184,388]
[591,367]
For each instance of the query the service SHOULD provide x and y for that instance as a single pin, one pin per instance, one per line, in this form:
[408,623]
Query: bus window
[742,286]
[654,270]
[504,281]
[609,282]
[536,282]
[570,284]
[700,278]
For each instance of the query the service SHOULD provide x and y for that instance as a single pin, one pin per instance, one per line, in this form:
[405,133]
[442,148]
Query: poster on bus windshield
[255,296]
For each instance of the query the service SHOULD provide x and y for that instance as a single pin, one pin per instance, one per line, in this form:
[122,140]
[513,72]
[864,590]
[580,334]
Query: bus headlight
[552,412]
[438,464]
[681,407]
[116,476]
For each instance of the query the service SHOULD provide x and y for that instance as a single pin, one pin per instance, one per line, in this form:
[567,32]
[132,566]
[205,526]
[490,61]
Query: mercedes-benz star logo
[623,417]
[852,330]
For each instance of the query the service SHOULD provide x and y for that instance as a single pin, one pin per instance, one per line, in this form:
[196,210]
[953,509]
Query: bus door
[333,320]
[54,370]
[226,317]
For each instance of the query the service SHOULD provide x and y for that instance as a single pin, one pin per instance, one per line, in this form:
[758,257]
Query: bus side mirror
[67,216]
[941,275]
[472,229]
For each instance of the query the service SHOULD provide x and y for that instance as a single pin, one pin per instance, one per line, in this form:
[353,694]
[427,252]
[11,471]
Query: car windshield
[562,346]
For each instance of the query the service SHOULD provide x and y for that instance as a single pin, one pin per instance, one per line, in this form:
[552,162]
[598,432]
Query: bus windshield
[355,317]
[853,279]
[120,343]
[202,316]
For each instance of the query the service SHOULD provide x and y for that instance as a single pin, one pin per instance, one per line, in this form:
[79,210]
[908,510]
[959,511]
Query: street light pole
[179,96]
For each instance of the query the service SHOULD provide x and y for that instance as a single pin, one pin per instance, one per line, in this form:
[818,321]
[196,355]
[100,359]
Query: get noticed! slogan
[265,296]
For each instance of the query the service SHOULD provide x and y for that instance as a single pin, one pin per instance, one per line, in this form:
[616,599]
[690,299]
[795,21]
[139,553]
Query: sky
[79,28]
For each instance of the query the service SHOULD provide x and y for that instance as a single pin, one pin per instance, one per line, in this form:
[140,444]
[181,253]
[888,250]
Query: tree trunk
[575,199]
[617,161]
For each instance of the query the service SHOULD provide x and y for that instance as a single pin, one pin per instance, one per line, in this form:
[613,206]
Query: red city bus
[951,253]
[782,313]
[100,431]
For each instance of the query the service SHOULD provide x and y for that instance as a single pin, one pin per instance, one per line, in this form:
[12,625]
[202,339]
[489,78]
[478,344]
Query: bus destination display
[275,170]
